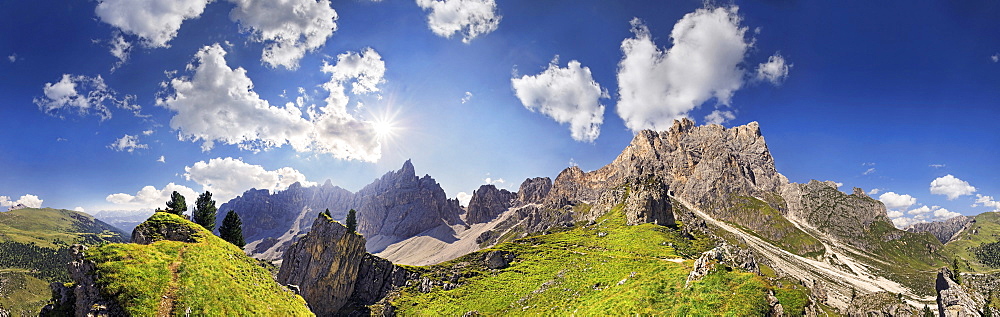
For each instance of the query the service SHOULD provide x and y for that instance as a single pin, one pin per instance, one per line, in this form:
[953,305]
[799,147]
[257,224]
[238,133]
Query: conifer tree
[352,221]
[327,213]
[232,229]
[204,211]
[176,205]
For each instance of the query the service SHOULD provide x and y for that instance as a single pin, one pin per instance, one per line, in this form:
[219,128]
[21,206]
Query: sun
[383,128]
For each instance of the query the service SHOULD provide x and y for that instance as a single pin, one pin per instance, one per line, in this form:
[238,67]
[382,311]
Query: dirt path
[167,303]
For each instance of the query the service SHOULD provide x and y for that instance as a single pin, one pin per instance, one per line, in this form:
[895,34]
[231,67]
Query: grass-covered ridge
[209,277]
[984,231]
[33,252]
[604,268]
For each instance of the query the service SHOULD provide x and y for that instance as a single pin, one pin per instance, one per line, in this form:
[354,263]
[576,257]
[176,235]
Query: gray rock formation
[498,259]
[944,231]
[534,190]
[150,231]
[955,300]
[84,298]
[487,202]
[846,217]
[377,278]
[724,254]
[880,304]
[324,265]
[397,206]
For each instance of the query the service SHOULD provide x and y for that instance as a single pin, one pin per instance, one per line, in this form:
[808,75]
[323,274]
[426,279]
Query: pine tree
[232,229]
[176,205]
[327,213]
[927,311]
[204,211]
[352,221]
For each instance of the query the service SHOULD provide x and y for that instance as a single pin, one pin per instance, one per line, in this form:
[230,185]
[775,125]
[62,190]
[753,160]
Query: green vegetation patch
[21,293]
[989,254]
[210,277]
[606,268]
[773,227]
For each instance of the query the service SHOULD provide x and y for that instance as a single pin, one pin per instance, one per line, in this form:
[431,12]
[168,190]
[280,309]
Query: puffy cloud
[494,181]
[28,200]
[218,104]
[12,57]
[567,95]
[336,131]
[228,177]
[987,201]
[657,86]
[995,57]
[83,95]
[288,28]
[463,198]
[897,210]
[120,48]
[161,159]
[154,21]
[951,186]
[774,71]
[147,132]
[874,191]
[470,18]
[80,209]
[719,117]
[150,197]
[894,201]
[127,143]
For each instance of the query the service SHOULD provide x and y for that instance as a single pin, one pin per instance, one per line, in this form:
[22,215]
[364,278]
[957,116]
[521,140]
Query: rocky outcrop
[152,231]
[498,259]
[944,231]
[487,202]
[324,265]
[955,300]
[724,254]
[880,304]
[377,278]
[846,217]
[84,298]
[534,190]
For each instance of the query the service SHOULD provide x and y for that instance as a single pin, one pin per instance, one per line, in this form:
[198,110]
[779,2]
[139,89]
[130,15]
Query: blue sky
[890,96]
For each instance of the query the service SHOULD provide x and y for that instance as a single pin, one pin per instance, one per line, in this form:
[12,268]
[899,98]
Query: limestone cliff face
[265,214]
[377,278]
[534,190]
[846,217]
[324,265]
[402,205]
[487,202]
[85,297]
[955,300]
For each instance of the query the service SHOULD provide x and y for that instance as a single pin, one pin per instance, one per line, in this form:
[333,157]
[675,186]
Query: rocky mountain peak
[534,190]
[324,265]
[487,202]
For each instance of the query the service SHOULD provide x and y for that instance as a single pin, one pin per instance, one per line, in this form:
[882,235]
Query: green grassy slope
[606,268]
[33,252]
[986,229]
[211,277]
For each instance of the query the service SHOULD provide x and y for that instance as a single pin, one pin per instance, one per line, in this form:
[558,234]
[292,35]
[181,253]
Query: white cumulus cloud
[470,18]
[28,200]
[987,201]
[127,143]
[154,21]
[656,86]
[150,197]
[228,177]
[951,186]
[218,103]
[567,95]
[774,71]
[894,201]
[161,159]
[80,209]
[463,198]
[288,28]
[82,95]
[121,49]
